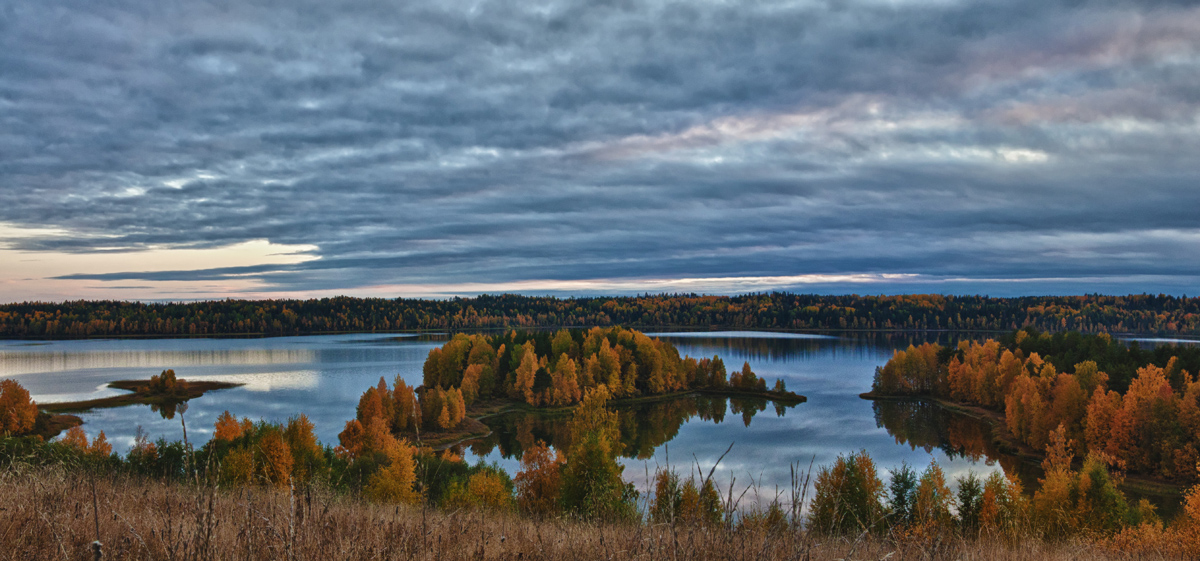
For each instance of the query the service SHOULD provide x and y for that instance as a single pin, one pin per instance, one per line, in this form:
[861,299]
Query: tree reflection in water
[926,425]
[644,426]
[167,408]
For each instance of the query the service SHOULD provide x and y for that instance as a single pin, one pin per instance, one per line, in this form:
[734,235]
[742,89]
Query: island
[475,376]
[162,392]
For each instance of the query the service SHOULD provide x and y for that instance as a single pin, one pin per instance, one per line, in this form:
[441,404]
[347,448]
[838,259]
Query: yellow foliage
[370,406]
[523,388]
[376,437]
[485,490]
[302,442]
[932,518]
[394,483]
[238,467]
[300,436]
[470,382]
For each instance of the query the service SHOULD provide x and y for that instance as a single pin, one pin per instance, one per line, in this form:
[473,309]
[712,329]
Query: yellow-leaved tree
[394,483]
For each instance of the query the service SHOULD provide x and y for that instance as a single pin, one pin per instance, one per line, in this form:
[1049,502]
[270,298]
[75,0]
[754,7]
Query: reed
[46,512]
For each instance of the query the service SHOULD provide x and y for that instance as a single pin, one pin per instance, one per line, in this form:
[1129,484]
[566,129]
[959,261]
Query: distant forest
[1146,314]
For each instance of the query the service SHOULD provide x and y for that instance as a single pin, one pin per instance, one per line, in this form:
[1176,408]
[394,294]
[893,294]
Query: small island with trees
[163,392]
[474,376]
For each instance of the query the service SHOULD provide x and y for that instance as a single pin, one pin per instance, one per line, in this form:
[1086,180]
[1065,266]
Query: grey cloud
[501,141]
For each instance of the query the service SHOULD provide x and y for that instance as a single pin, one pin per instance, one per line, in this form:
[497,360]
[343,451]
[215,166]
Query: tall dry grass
[49,513]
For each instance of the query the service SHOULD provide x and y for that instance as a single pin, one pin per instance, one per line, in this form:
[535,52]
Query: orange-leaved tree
[75,438]
[274,458]
[227,428]
[18,413]
[539,481]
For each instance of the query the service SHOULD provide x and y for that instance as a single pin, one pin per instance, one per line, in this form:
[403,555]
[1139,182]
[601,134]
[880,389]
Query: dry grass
[47,513]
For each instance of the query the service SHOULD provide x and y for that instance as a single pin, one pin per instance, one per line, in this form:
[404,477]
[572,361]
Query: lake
[323,377]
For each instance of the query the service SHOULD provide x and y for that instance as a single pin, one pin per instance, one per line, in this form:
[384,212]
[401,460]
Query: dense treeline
[1091,314]
[1135,409]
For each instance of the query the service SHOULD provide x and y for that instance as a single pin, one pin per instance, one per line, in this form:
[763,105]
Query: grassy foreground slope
[49,513]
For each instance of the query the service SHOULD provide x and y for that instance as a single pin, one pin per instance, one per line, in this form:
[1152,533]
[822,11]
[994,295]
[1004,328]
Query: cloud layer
[929,145]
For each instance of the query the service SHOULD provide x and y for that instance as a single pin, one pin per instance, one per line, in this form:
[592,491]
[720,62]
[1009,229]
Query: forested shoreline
[1145,314]
[1133,409]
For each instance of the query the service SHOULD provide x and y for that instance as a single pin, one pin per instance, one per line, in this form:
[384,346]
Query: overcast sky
[191,149]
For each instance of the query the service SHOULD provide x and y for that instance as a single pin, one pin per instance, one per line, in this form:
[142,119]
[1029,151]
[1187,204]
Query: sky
[169,149]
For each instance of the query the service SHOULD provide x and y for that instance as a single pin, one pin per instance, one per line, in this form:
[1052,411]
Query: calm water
[323,376]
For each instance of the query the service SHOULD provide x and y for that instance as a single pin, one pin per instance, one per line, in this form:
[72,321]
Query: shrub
[903,486]
[592,486]
[970,495]
[849,496]
[665,506]
[487,488]
[931,507]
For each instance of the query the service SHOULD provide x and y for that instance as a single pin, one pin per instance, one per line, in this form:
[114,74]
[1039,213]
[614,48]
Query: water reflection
[927,426]
[644,427]
[738,346]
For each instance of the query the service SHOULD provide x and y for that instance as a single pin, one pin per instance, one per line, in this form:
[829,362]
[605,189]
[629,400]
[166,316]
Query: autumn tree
[274,459]
[849,496]
[99,448]
[523,384]
[565,385]
[470,382]
[370,406]
[75,438]
[352,439]
[18,413]
[237,468]
[164,383]
[227,428]
[591,477]
[932,502]
[307,456]
[395,482]
[406,412]
[699,503]
[538,483]
[1003,508]
[487,489]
